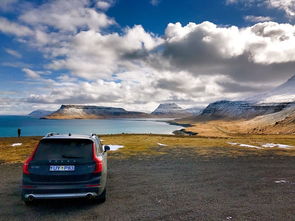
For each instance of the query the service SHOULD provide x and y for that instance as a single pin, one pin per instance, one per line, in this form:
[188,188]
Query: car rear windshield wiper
[69,156]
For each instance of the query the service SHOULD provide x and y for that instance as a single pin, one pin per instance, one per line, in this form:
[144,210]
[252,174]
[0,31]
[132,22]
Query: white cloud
[192,64]
[135,92]
[66,78]
[155,2]
[7,4]
[231,1]
[264,43]
[13,53]
[14,28]
[100,55]
[15,64]
[288,6]
[225,41]
[253,18]
[16,106]
[271,42]
[247,3]
[104,5]
[67,16]
[30,73]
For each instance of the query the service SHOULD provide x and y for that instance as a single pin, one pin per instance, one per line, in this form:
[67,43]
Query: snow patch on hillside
[161,144]
[263,146]
[169,108]
[16,144]
[281,94]
[244,145]
[114,147]
[272,145]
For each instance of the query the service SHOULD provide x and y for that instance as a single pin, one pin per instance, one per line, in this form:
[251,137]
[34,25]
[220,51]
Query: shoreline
[28,126]
[182,131]
[179,124]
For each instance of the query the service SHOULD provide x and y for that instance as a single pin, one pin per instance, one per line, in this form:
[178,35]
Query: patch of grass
[146,145]
[17,154]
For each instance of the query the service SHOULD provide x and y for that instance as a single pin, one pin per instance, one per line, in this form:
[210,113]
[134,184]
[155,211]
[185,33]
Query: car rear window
[62,149]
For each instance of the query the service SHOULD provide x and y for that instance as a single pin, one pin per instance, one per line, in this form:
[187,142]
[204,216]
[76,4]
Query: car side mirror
[106,148]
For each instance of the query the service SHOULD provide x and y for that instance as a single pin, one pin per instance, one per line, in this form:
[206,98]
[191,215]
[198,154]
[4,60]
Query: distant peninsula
[92,112]
[72,111]
[39,113]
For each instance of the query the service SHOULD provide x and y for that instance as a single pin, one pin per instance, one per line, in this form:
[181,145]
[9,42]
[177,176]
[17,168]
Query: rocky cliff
[272,101]
[234,110]
[92,112]
[272,112]
[282,122]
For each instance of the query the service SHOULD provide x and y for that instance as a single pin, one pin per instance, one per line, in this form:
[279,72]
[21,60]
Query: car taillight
[26,166]
[97,160]
[27,162]
[92,185]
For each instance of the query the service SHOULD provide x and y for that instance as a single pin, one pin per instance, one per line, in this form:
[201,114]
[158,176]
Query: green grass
[136,145]
[145,145]
[16,154]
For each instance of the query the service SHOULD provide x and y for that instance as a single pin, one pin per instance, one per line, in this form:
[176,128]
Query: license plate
[62,168]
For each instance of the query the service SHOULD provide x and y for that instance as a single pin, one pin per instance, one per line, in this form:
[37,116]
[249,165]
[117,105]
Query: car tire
[102,197]
[29,203]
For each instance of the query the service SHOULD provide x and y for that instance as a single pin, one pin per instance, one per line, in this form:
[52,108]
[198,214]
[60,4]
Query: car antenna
[70,134]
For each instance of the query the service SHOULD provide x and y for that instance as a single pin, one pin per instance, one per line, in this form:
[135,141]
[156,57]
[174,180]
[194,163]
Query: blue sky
[139,53]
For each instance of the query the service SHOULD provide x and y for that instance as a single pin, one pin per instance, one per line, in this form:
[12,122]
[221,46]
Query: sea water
[39,127]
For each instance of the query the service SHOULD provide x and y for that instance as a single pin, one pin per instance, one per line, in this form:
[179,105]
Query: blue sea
[40,127]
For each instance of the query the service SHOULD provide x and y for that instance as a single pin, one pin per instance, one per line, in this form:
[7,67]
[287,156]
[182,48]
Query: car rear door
[63,161]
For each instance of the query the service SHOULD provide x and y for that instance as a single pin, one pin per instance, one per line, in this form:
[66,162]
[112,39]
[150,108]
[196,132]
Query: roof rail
[51,134]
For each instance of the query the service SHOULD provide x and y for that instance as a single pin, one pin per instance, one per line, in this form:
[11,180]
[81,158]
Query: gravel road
[186,187]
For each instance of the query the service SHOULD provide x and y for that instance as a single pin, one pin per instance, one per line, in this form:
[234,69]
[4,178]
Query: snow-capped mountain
[281,94]
[269,102]
[239,110]
[169,109]
[174,109]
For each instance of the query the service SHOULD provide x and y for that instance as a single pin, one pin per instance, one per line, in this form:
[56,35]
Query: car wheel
[102,197]
[29,203]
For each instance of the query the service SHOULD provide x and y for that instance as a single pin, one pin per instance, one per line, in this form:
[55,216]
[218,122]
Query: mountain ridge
[92,112]
[272,112]
[280,94]
[72,111]
[169,109]
[234,110]
[39,113]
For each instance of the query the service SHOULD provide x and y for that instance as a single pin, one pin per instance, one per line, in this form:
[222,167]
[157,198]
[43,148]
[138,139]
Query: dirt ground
[177,185]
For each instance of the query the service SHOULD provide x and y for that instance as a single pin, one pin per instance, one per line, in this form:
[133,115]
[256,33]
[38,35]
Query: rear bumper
[59,191]
[60,196]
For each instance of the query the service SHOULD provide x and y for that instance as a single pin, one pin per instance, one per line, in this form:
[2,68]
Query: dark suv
[66,166]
